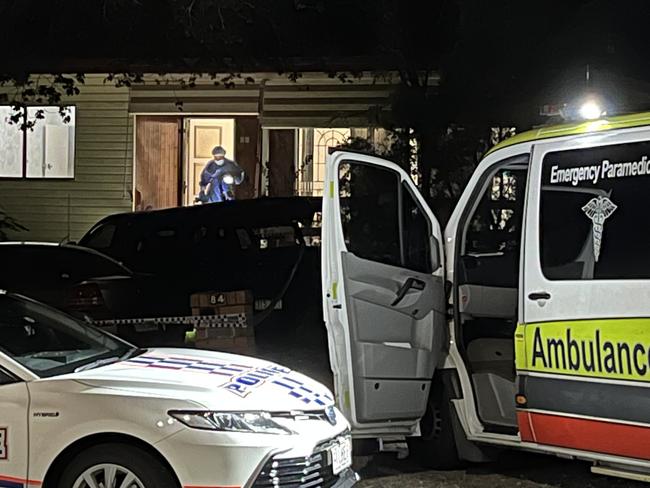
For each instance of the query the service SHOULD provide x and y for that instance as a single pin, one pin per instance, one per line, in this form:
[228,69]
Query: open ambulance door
[384,293]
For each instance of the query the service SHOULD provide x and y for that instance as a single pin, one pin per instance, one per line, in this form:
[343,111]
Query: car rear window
[101,237]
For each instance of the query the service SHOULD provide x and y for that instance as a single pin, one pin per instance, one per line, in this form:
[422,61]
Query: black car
[49,272]
[261,245]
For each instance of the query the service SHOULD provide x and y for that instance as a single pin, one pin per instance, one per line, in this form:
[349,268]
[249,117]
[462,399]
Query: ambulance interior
[487,271]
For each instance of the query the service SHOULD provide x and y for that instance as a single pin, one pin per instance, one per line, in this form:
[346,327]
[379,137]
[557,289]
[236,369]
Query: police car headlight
[250,422]
[228,179]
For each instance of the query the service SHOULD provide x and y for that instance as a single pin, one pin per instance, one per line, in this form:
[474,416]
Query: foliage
[9,224]
[464,66]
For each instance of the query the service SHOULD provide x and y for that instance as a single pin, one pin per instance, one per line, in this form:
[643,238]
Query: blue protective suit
[212,182]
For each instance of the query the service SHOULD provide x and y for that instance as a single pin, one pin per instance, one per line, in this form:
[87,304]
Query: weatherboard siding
[64,209]
[57,210]
[313,100]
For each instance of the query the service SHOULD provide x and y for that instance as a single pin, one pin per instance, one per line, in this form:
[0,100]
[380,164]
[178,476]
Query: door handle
[410,283]
[539,295]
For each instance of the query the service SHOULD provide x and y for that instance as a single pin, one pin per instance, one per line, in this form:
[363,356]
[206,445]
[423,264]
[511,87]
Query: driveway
[514,469]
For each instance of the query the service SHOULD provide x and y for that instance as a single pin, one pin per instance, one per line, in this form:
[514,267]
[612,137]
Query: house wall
[313,100]
[56,210]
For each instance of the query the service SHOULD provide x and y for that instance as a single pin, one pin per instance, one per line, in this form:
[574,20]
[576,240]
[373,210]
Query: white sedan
[80,408]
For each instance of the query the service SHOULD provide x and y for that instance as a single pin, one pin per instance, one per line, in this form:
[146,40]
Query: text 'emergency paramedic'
[603,171]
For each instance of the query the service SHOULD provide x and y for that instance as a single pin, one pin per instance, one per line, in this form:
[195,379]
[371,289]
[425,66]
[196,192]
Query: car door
[384,299]
[583,351]
[14,405]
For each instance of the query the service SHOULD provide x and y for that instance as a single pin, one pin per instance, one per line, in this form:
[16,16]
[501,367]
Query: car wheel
[436,448]
[116,466]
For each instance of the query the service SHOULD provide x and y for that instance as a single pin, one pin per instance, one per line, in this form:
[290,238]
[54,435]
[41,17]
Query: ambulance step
[621,472]
[395,444]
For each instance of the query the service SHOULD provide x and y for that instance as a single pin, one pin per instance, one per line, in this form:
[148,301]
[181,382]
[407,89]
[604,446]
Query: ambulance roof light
[591,110]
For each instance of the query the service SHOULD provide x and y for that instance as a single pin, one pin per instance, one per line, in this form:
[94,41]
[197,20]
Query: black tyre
[436,448]
[116,465]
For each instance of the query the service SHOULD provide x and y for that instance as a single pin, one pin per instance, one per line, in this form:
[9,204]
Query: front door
[203,135]
[157,156]
[583,355]
[383,288]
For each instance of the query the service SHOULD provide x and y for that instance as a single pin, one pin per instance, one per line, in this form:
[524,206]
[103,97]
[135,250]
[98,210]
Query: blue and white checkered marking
[242,379]
[298,390]
[188,364]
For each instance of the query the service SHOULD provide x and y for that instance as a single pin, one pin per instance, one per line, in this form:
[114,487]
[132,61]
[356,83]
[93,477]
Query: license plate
[263,303]
[341,454]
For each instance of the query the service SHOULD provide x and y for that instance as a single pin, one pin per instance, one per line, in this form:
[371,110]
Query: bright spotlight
[591,110]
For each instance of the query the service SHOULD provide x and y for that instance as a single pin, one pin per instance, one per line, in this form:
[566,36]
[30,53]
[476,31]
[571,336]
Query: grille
[314,471]
[310,415]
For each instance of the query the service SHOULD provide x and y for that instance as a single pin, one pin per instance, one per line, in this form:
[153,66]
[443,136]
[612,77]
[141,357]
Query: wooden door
[282,167]
[203,136]
[157,162]
[247,136]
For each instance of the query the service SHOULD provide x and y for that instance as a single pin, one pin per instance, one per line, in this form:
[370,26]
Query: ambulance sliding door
[583,353]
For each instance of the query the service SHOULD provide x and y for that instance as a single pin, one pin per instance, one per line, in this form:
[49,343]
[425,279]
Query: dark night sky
[489,53]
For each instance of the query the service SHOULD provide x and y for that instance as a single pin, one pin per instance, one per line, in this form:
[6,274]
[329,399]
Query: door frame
[186,137]
[466,406]
[183,141]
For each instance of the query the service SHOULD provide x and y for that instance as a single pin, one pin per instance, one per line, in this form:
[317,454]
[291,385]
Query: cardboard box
[221,298]
[234,345]
[215,333]
[246,309]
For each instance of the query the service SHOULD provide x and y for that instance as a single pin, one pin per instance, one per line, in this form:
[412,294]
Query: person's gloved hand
[201,197]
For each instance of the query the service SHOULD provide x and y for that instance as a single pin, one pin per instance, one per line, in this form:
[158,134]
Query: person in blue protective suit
[218,178]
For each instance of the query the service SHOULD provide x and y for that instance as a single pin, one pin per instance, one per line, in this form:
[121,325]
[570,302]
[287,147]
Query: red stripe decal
[199,486]
[525,428]
[20,480]
[589,435]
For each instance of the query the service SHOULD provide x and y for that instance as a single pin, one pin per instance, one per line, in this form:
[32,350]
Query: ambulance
[524,324]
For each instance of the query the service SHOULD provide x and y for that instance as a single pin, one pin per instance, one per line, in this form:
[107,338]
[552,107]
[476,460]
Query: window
[44,151]
[6,378]
[593,216]
[495,226]
[49,342]
[415,234]
[101,237]
[313,149]
[371,200]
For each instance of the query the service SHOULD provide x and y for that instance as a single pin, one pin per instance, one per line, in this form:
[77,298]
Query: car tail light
[86,295]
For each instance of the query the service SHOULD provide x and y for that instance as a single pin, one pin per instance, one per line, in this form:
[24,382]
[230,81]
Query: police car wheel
[116,466]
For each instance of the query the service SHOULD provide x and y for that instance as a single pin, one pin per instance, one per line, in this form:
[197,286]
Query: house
[143,146]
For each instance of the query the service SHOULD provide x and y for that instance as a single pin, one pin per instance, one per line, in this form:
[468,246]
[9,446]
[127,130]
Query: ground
[513,470]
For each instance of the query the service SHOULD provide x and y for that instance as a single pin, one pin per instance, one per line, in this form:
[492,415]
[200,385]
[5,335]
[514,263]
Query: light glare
[590,110]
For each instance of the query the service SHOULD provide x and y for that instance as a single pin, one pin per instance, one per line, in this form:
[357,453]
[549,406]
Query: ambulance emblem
[598,210]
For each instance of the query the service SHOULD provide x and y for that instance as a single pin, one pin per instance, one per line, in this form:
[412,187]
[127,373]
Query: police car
[80,408]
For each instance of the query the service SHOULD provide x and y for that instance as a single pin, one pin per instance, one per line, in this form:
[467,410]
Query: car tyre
[121,460]
[436,448]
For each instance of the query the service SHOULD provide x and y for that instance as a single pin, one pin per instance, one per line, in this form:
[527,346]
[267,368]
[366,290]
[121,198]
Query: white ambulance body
[526,324]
